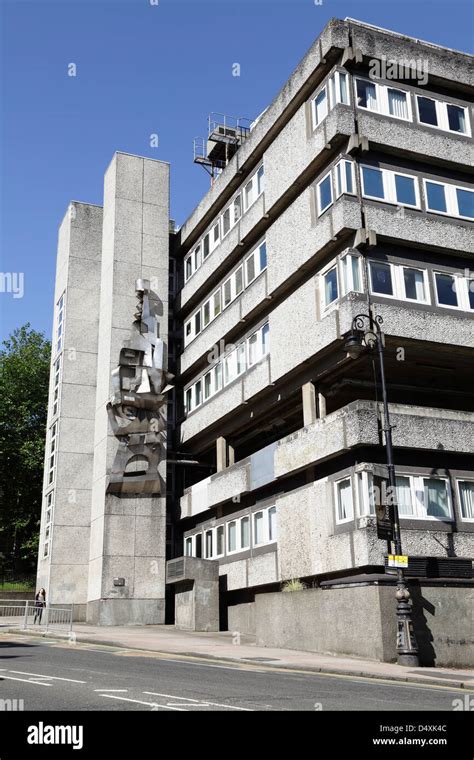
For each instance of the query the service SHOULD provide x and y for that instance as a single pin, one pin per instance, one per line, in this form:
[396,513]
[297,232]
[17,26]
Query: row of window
[237,535]
[235,362]
[418,497]
[400,281]
[394,187]
[396,102]
[240,203]
[54,427]
[233,286]
[389,100]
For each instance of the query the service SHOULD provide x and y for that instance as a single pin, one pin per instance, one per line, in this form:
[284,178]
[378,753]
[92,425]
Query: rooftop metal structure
[225,135]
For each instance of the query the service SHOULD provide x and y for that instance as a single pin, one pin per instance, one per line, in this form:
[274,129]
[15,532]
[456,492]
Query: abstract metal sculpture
[136,413]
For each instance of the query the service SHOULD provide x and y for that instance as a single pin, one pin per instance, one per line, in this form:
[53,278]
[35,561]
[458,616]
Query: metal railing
[24,614]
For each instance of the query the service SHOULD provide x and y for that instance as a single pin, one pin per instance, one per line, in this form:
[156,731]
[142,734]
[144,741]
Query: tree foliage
[24,381]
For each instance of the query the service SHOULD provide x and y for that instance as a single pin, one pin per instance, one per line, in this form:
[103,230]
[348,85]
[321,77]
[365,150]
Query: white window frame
[341,187]
[452,208]
[316,122]
[389,186]
[441,107]
[365,505]
[400,275]
[351,288]
[456,279]
[458,495]
[237,538]
[381,99]
[264,528]
[344,520]
[215,544]
[321,210]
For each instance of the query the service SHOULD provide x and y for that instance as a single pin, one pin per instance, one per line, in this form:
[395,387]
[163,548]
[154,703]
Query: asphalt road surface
[48,675]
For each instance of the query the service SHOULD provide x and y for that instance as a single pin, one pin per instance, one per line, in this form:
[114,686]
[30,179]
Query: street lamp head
[354,346]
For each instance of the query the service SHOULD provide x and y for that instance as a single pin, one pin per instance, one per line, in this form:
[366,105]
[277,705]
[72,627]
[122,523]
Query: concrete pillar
[65,524]
[128,532]
[321,405]
[230,455]
[309,403]
[221,453]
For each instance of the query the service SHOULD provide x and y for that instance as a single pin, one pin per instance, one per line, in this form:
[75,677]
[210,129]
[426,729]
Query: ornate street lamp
[366,333]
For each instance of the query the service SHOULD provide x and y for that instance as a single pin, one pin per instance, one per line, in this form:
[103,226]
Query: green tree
[24,381]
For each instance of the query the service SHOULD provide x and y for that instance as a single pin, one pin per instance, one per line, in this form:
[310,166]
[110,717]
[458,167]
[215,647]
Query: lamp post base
[407,649]
[408,660]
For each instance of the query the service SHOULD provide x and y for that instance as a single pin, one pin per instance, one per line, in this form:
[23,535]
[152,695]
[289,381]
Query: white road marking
[141,702]
[40,675]
[199,702]
[26,680]
[118,690]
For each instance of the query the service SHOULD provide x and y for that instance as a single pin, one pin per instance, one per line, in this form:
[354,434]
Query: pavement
[226,646]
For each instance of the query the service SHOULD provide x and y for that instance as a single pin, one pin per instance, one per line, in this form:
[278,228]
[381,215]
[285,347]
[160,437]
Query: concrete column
[321,405]
[63,572]
[221,453]
[128,532]
[309,403]
[230,455]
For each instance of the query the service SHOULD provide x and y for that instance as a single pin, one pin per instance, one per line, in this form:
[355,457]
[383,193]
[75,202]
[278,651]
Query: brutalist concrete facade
[353,191]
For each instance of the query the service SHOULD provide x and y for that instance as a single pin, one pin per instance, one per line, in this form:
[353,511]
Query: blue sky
[144,69]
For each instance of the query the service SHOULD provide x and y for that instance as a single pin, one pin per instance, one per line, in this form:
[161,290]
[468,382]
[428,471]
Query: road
[52,675]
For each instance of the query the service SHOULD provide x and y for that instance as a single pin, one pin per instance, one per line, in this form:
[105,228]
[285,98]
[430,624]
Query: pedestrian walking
[40,603]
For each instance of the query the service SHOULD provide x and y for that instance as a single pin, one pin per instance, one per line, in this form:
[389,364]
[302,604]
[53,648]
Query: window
[404,496]
[330,286]
[366,94]
[465,202]
[230,368]
[217,377]
[249,194]
[237,208]
[250,269]
[206,313]
[414,284]
[197,394]
[272,524]
[60,323]
[343,90]
[207,385]
[206,246]
[208,536]
[436,197]
[405,190]
[456,118]
[265,338]
[215,234]
[470,293]
[263,256]
[245,533]
[260,181]
[435,498]
[227,292]
[188,547]
[324,194]
[254,353]
[466,498]
[397,103]
[241,360]
[381,278]
[217,302]
[320,107]
[372,182]
[197,323]
[258,529]
[351,277]
[226,222]
[188,268]
[188,401]
[344,505]
[344,178]
[446,116]
[220,541]
[239,281]
[231,536]
[446,290]
[427,111]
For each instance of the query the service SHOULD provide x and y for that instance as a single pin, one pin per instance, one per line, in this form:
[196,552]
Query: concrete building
[353,191]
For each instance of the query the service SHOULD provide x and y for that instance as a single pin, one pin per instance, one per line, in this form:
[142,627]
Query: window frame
[459,480]
[337,483]
[382,99]
[450,197]
[442,116]
[321,210]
